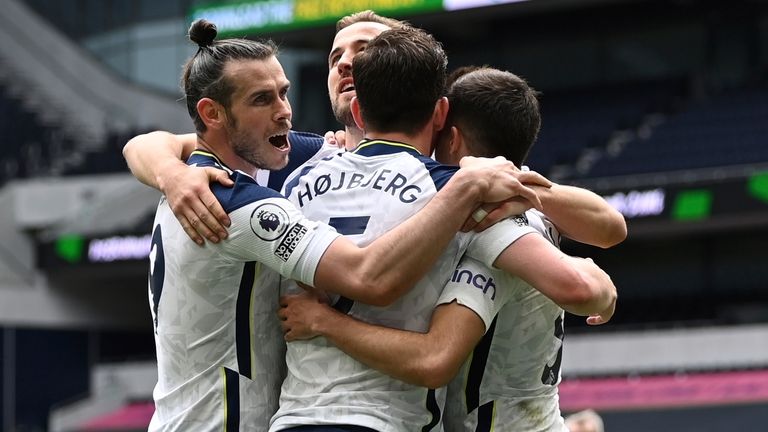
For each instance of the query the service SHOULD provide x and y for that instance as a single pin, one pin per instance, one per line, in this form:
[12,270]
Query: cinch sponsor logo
[290,241]
[384,180]
[477,280]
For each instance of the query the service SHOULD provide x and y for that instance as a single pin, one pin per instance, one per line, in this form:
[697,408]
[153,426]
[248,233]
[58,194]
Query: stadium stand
[729,128]
[577,121]
[34,148]
[64,105]
[27,142]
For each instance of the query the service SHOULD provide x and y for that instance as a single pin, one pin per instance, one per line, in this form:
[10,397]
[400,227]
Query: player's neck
[224,153]
[421,141]
[353,137]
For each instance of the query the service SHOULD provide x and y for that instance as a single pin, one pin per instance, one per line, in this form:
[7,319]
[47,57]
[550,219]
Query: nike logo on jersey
[477,280]
[395,184]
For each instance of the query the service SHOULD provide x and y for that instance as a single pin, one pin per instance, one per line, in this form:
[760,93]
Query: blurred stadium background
[661,106]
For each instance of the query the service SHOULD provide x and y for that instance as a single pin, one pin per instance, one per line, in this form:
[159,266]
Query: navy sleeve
[304,145]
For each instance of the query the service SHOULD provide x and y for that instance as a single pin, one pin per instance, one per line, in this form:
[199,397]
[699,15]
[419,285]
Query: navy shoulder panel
[304,145]
[440,173]
[244,192]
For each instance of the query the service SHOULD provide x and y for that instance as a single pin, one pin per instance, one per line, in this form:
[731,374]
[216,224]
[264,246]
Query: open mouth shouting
[279,140]
[346,85]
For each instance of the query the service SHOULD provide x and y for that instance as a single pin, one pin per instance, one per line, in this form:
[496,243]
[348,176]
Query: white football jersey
[509,383]
[219,345]
[325,152]
[364,194]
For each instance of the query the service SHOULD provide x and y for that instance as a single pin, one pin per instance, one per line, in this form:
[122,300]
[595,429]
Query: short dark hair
[368,16]
[497,111]
[399,78]
[203,75]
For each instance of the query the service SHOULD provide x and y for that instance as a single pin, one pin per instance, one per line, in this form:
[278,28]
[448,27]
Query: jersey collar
[377,147]
[204,158]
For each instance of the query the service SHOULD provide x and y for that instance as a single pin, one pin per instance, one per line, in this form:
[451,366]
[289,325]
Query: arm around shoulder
[577,285]
[150,155]
[156,159]
[584,216]
[366,275]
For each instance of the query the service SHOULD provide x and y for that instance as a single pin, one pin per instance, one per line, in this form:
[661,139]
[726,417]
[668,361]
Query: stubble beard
[343,112]
[246,148]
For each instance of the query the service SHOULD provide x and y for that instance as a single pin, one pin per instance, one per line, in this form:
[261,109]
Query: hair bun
[202,32]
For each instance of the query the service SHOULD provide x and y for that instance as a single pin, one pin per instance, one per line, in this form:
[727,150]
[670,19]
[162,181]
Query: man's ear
[211,113]
[355,108]
[440,113]
[456,145]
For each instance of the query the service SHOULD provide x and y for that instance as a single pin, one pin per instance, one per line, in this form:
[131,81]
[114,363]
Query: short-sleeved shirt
[509,383]
[220,349]
[364,194]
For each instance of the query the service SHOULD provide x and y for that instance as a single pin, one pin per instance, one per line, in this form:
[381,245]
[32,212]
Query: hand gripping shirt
[364,194]
[220,350]
[509,383]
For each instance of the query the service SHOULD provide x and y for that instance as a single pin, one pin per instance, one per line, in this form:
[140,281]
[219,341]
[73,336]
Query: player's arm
[577,285]
[152,155]
[156,159]
[425,359]
[383,271]
[577,213]
[582,215]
